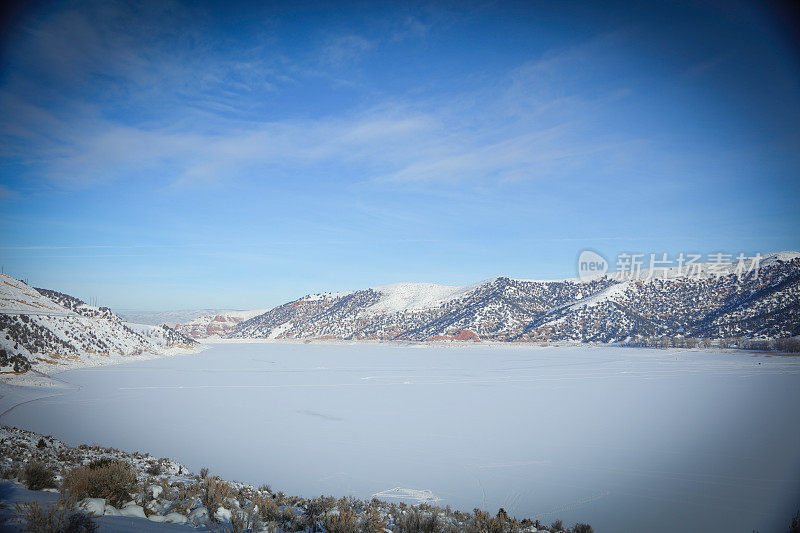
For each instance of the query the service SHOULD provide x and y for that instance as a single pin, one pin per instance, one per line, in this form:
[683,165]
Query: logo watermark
[591,265]
[644,267]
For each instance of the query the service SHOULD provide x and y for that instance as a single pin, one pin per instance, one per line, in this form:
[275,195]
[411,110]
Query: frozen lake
[625,439]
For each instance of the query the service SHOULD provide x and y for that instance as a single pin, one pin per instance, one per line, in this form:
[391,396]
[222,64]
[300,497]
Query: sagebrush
[112,480]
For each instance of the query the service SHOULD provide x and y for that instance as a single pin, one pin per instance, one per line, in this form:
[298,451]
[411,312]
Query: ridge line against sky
[174,155]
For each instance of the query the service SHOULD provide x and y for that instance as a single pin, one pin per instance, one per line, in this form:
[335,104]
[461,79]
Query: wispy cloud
[343,50]
[410,27]
[532,128]
[186,115]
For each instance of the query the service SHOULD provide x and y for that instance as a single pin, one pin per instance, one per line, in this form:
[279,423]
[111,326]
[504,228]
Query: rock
[175,518]
[133,510]
[95,506]
[199,516]
[222,515]
[155,506]
[111,511]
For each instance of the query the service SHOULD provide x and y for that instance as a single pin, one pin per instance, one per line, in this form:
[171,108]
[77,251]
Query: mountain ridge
[711,299]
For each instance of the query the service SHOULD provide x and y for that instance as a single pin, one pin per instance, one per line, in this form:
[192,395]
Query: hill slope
[55,331]
[716,301]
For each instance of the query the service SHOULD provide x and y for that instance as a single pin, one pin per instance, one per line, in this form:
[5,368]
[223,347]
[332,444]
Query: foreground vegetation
[95,481]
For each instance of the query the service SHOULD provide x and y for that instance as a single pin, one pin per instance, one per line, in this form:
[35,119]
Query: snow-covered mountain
[713,300]
[55,331]
[170,318]
[218,324]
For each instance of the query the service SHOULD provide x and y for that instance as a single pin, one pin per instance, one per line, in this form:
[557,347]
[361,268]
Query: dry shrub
[182,496]
[112,480]
[410,519]
[38,476]
[100,463]
[290,520]
[168,492]
[267,508]
[343,521]
[59,517]
[486,523]
[245,519]
[155,469]
[9,472]
[316,509]
[216,494]
[373,521]
[68,455]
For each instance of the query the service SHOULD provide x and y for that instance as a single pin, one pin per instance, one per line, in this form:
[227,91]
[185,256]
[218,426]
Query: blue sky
[169,155]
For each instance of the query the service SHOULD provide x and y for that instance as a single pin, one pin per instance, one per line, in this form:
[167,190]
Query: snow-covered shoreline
[40,373]
[167,492]
[501,345]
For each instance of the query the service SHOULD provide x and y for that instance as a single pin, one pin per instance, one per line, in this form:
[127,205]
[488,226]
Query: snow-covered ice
[625,439]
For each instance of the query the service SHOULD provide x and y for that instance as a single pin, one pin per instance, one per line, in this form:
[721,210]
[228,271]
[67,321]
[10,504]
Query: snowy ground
[12,491]
[625,439]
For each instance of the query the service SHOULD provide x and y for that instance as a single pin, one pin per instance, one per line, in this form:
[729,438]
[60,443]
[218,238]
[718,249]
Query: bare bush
[372,521]
[112,480]
[216,494]
[267,508]
[101,462]
[58,517]
[38,476]
[9,472]
[412,520]
[245,519]
[155,468]
[343,520]
[483,522]
[316,509]
[794,527]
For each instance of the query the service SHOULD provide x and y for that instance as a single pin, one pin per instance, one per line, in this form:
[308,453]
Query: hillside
[219,324]
[54,331]
[713,301]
